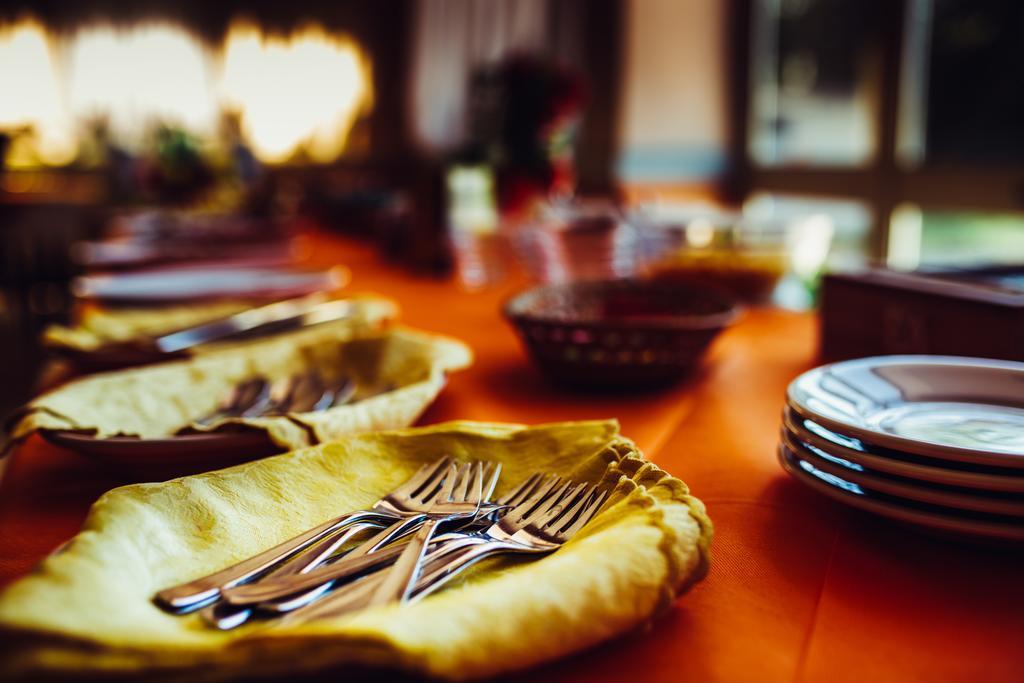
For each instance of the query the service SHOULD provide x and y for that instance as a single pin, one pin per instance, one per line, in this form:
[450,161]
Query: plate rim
[330,279]
[933,521]
[978,480]
[895,442]
[78,435]
[923,494]
[212,451]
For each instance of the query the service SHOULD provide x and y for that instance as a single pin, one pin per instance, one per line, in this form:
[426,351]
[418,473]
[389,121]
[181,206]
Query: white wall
[673,115]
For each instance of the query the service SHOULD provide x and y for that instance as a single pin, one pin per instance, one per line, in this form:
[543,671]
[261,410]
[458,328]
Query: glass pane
[962,88]
[850,222]
[913,85]
[976,83]
[822,234]
[962,239]
[813,83]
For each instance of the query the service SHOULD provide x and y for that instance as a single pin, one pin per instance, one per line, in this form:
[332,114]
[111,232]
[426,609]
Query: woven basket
[618,334]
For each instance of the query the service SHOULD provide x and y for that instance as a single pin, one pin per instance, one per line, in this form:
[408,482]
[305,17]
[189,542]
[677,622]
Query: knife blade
[276,317]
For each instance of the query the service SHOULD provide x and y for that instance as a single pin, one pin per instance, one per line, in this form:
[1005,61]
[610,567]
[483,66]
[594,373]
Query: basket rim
[730,312]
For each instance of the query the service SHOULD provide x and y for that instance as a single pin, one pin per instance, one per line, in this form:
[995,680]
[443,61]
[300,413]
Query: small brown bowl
[619,334]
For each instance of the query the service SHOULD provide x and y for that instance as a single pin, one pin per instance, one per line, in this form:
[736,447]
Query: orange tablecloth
[800,587]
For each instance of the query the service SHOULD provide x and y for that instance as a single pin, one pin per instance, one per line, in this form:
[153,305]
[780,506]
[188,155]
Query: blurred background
[759,141]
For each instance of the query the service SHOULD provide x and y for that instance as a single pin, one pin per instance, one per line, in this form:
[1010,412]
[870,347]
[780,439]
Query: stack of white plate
[934,441]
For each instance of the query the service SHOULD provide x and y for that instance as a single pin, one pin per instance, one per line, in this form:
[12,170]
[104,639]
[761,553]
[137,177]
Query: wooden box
[875,312]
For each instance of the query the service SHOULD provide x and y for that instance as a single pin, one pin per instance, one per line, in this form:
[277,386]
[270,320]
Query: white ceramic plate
[951,497]
[857,452]
[209,281]
[945,407]
[978,526]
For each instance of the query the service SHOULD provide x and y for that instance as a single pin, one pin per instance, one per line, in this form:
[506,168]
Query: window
[910,108]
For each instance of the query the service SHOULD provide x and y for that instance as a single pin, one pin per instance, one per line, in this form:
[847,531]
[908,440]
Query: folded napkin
[157,401]
[101,327]
[86,611]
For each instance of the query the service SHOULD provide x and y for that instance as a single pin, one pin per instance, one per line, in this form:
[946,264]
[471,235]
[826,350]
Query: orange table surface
[800,588]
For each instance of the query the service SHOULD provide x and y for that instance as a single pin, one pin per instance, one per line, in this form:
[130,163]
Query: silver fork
[543,534]
[402,575]
[289,592]
[242,397]
[524,497]
[529,499]
[309,393]
[459,497]
[256,397]
[540,523]
[226,616]
[409,498]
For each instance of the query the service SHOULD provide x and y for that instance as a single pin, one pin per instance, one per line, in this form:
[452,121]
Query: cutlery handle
[289,596]
[266,318]
[225,616]
[449,568]
[289,592]
[276,588]
[353,597]
[402,527]
[401,577]
[309,560]
[206,589]
[361,594]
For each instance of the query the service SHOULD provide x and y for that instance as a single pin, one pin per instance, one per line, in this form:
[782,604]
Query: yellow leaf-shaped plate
[87,611]
[131,418]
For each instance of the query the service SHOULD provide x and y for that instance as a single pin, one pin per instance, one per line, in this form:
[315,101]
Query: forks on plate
[308,577]
[299,393]
[545,513]
[459,497]
[409,498]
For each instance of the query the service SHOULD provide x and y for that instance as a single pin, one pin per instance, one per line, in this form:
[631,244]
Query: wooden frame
[884,182]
